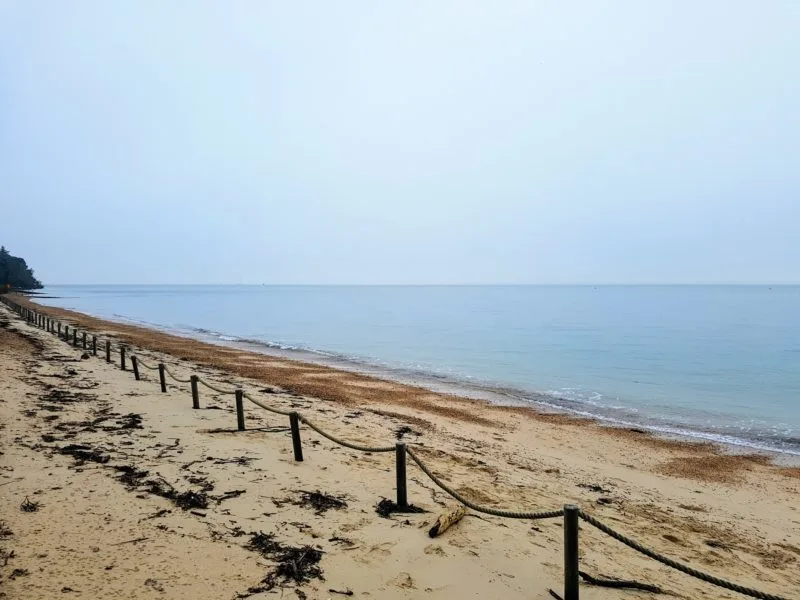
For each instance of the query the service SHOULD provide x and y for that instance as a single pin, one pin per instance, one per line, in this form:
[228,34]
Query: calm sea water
[719,362]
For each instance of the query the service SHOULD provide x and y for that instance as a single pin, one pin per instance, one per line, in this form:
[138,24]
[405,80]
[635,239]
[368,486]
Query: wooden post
[400,456]
[108,351]
[195,393]
[162,377]
[84,340]
[571,583]
[135,364]
[122,357]
[66,333]
[94,345]
[294,422]
[75,336]
[239,410]
[59,329]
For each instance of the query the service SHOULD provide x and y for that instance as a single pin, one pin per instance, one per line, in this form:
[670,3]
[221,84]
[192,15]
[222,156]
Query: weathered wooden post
[195,393]
[66,333]
[108,351]
[571,583]
[75,336]
[135,364]
[294,422]
[239,410]
[94,345]
[162,377]
[84,340]
[122,357]
[59,329]
[400,459]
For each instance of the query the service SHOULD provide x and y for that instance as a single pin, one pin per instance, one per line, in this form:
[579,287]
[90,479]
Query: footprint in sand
[435,549]
[403,580]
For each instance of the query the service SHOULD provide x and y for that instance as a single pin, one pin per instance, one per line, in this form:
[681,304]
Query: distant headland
[15,273]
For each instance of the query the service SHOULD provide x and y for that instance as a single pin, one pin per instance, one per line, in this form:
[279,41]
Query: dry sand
[94,536]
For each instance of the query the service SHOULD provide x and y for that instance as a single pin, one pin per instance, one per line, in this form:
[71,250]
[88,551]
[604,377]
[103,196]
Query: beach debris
[19,573]
[229,495]
[85,356]
[619,583]
[82,453]
[243,461]
[347,592]
[161,513]
[66,590]
[184,500]
[28,506]
[400,432]
[129,421]
[153,583]
[133,541]
[555,595]
[5,556]
[447,519]
[321,503]
[341,540]
[386,508]
[190,499]
[131,476]
[299,564]
[593,487]
[5,531]
[604,500]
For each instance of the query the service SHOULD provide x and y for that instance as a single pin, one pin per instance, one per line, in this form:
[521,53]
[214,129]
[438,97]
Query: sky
[411,142]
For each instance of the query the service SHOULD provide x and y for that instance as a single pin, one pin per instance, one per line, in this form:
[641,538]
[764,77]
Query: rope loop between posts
[178,379]
[676,565]
[265,407]
[549,514]
[141,363]
[216,389]
[343,442]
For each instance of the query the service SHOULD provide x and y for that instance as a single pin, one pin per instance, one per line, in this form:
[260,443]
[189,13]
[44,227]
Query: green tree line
[15,273]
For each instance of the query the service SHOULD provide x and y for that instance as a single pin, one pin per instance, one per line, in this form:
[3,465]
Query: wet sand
[733,516]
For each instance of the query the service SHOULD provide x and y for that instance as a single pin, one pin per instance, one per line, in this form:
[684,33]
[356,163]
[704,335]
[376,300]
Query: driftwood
[446,520]
[618,583]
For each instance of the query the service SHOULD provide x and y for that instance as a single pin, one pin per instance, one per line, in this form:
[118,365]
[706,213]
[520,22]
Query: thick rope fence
[570,513]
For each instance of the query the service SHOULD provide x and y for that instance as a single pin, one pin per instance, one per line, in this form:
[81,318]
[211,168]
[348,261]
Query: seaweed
[386,508]
[298,564]
[28,506]
[321,503]
[82,453]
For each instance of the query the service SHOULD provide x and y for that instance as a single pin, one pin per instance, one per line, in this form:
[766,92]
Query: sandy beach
[132,493]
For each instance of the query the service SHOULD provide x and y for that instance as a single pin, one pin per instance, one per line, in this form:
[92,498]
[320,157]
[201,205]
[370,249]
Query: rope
[265,407]
[676,565]
[477,507]
[178,379]
[141,363]
[342,442]
[216,389]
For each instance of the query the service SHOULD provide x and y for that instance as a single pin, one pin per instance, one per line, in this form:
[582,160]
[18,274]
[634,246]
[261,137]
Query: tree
[15,273]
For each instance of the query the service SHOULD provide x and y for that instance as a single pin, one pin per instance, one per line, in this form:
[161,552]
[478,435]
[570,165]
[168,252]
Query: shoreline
[733,516]
[494,393]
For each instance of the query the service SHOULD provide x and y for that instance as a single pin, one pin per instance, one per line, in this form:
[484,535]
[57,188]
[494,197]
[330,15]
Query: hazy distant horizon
[397,143]
[767,284]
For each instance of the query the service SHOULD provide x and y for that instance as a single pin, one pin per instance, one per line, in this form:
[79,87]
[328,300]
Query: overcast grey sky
[401,142]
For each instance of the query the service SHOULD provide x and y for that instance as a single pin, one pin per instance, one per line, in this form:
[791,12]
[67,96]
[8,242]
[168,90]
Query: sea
[718,363]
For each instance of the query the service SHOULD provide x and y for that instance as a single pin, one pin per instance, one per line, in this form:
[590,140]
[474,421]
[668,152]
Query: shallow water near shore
[714,362]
